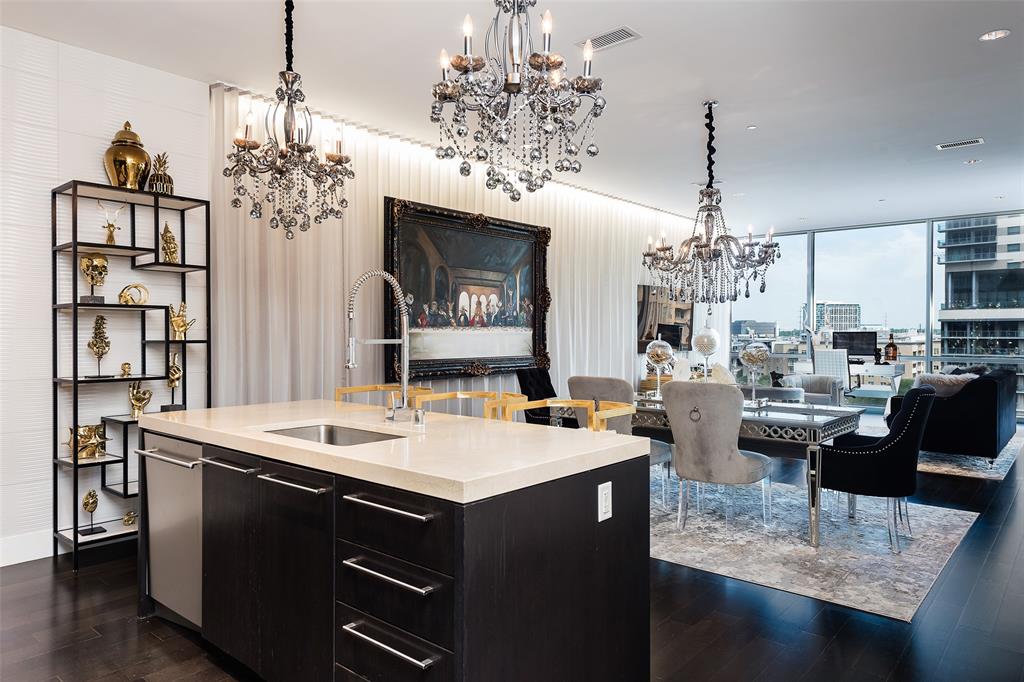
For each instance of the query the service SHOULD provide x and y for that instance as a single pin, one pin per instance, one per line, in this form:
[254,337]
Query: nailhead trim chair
[881,466]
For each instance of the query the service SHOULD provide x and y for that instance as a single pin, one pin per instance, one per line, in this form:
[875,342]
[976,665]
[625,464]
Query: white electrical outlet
[604,501]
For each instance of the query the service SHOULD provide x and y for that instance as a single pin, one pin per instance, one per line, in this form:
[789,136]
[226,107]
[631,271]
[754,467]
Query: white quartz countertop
[462,459]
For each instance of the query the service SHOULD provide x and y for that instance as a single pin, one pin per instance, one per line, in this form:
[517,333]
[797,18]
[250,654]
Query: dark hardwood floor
[55,625]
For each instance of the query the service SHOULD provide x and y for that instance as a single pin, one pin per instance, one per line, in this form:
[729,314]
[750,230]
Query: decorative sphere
[575,166]
[592,149]
[706,341]
[478,136]
[515,195]
[502,137]
[439,152]
[659,353]
[462,130]
[535,154]
[481,154]
[572,149]
[754,356]
[507,187]
[546,174]
[548,128]
[599,102]
[492,183]
[465,169]
[449,153]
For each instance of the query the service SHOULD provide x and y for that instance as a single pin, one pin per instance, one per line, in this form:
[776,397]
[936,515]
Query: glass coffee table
[797,423]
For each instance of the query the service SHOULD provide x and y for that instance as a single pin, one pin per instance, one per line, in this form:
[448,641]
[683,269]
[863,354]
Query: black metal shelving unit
[114,467]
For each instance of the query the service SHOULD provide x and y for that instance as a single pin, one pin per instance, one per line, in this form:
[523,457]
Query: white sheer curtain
[279,327]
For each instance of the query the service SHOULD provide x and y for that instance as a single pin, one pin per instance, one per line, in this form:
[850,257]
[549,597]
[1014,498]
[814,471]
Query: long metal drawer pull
[383,507]
[152,452]
[273,479]
[230,467]
[422,664]
[354,563]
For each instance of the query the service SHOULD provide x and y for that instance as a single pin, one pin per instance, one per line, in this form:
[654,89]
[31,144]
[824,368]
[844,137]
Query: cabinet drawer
[413,527]
[379,652]
[413,598]
[343,674]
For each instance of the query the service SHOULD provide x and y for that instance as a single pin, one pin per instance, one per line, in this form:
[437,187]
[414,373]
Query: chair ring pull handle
[695,415]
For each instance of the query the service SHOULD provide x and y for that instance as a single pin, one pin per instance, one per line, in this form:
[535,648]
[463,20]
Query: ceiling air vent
[960,143]
[612,38]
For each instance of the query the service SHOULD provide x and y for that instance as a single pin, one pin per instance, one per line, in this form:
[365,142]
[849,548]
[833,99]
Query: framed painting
[657,313]
[476,288]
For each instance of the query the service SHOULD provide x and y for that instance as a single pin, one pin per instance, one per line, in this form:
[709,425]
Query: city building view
[977,299]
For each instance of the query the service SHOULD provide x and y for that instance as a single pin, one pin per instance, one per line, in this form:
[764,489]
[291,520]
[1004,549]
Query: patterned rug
[852,567]
[964,465]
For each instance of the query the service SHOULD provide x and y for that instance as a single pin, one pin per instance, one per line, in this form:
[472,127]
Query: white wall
[280,319]
[61,106]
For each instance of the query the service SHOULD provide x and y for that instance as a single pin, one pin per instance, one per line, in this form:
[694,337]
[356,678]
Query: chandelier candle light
[712,266]
[298,183]
[530,121]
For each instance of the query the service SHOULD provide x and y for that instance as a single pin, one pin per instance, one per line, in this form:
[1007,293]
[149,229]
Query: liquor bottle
[892,351]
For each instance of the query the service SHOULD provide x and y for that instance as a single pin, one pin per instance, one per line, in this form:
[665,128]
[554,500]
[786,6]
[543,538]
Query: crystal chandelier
[712,265]
[529,118]
[297,183]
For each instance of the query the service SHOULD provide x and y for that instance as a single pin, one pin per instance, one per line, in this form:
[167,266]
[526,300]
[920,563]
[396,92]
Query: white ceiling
[849,97]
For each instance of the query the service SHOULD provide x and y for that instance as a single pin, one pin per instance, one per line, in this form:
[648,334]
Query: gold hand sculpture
[179,324]
[174,372]
[139,398]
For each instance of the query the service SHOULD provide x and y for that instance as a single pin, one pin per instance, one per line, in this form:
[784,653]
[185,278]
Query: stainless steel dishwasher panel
[174,512]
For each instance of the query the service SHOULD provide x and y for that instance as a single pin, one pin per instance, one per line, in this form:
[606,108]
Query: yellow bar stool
[393,391]
[500,407]
[494,403]
[597,419]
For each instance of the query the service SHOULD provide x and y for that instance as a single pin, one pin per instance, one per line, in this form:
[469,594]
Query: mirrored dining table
[801,424]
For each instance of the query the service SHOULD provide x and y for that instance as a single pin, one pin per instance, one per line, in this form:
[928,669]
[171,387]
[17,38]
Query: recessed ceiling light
[999,196]
[802,218]
[740,194]
[751,127]
[971,162]
[994,35]
[881,199]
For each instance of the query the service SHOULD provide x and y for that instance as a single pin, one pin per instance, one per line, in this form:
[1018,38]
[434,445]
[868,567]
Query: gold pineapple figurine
[160,181]
[168,245]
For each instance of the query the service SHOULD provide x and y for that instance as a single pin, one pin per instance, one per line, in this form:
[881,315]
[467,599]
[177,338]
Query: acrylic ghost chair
[705,421]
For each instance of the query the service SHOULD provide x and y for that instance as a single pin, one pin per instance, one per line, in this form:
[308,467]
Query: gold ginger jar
[126,162]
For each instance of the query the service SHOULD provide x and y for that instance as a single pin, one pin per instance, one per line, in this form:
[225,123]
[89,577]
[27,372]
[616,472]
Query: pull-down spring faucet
[400,409]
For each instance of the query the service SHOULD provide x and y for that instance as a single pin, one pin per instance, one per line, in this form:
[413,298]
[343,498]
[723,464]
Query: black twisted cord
[289,7]
[710,125]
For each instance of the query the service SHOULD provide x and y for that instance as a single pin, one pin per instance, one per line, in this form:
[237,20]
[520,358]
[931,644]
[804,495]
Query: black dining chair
[883,466]
[535,384]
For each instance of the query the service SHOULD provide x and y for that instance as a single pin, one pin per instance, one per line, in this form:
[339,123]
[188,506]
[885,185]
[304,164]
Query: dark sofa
[980,419]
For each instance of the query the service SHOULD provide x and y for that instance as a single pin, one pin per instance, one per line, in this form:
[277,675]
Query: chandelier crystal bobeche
[711,266]
[530,120]
[297,183]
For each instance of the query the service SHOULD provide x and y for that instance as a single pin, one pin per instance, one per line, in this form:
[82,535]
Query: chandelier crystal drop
[297,183]
[711,266]
[530,121]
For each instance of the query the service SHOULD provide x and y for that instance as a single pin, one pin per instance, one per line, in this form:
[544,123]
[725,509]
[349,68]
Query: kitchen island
[316,540]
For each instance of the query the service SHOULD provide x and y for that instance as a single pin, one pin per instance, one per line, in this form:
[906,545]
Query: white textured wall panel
[60,107]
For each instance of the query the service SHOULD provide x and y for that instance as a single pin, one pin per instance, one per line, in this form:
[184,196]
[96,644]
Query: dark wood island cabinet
[312,575]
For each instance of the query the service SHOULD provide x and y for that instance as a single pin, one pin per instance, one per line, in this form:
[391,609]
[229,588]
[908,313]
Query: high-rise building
[840,317]
[761,330]
[983,313]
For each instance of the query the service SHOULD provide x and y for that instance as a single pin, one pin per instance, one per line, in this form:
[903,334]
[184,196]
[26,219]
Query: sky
[883,269]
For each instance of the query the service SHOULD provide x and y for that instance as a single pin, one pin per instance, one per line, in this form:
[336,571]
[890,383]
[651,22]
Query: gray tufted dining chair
[705,421]
[619,390]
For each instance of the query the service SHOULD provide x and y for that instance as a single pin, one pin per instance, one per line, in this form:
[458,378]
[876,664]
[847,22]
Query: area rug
[965,465]
[852,567]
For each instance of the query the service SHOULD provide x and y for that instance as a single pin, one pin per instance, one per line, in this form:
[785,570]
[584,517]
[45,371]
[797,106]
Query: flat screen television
[856,343]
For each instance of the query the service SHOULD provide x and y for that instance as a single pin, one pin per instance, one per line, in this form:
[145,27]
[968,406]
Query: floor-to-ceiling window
[875,279]
[978,295]
[775,317]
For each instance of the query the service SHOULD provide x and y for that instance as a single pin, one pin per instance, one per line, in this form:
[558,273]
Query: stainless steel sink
[330,434]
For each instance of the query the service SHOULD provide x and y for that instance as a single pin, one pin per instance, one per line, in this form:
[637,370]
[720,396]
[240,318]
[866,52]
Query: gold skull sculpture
[95,267]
